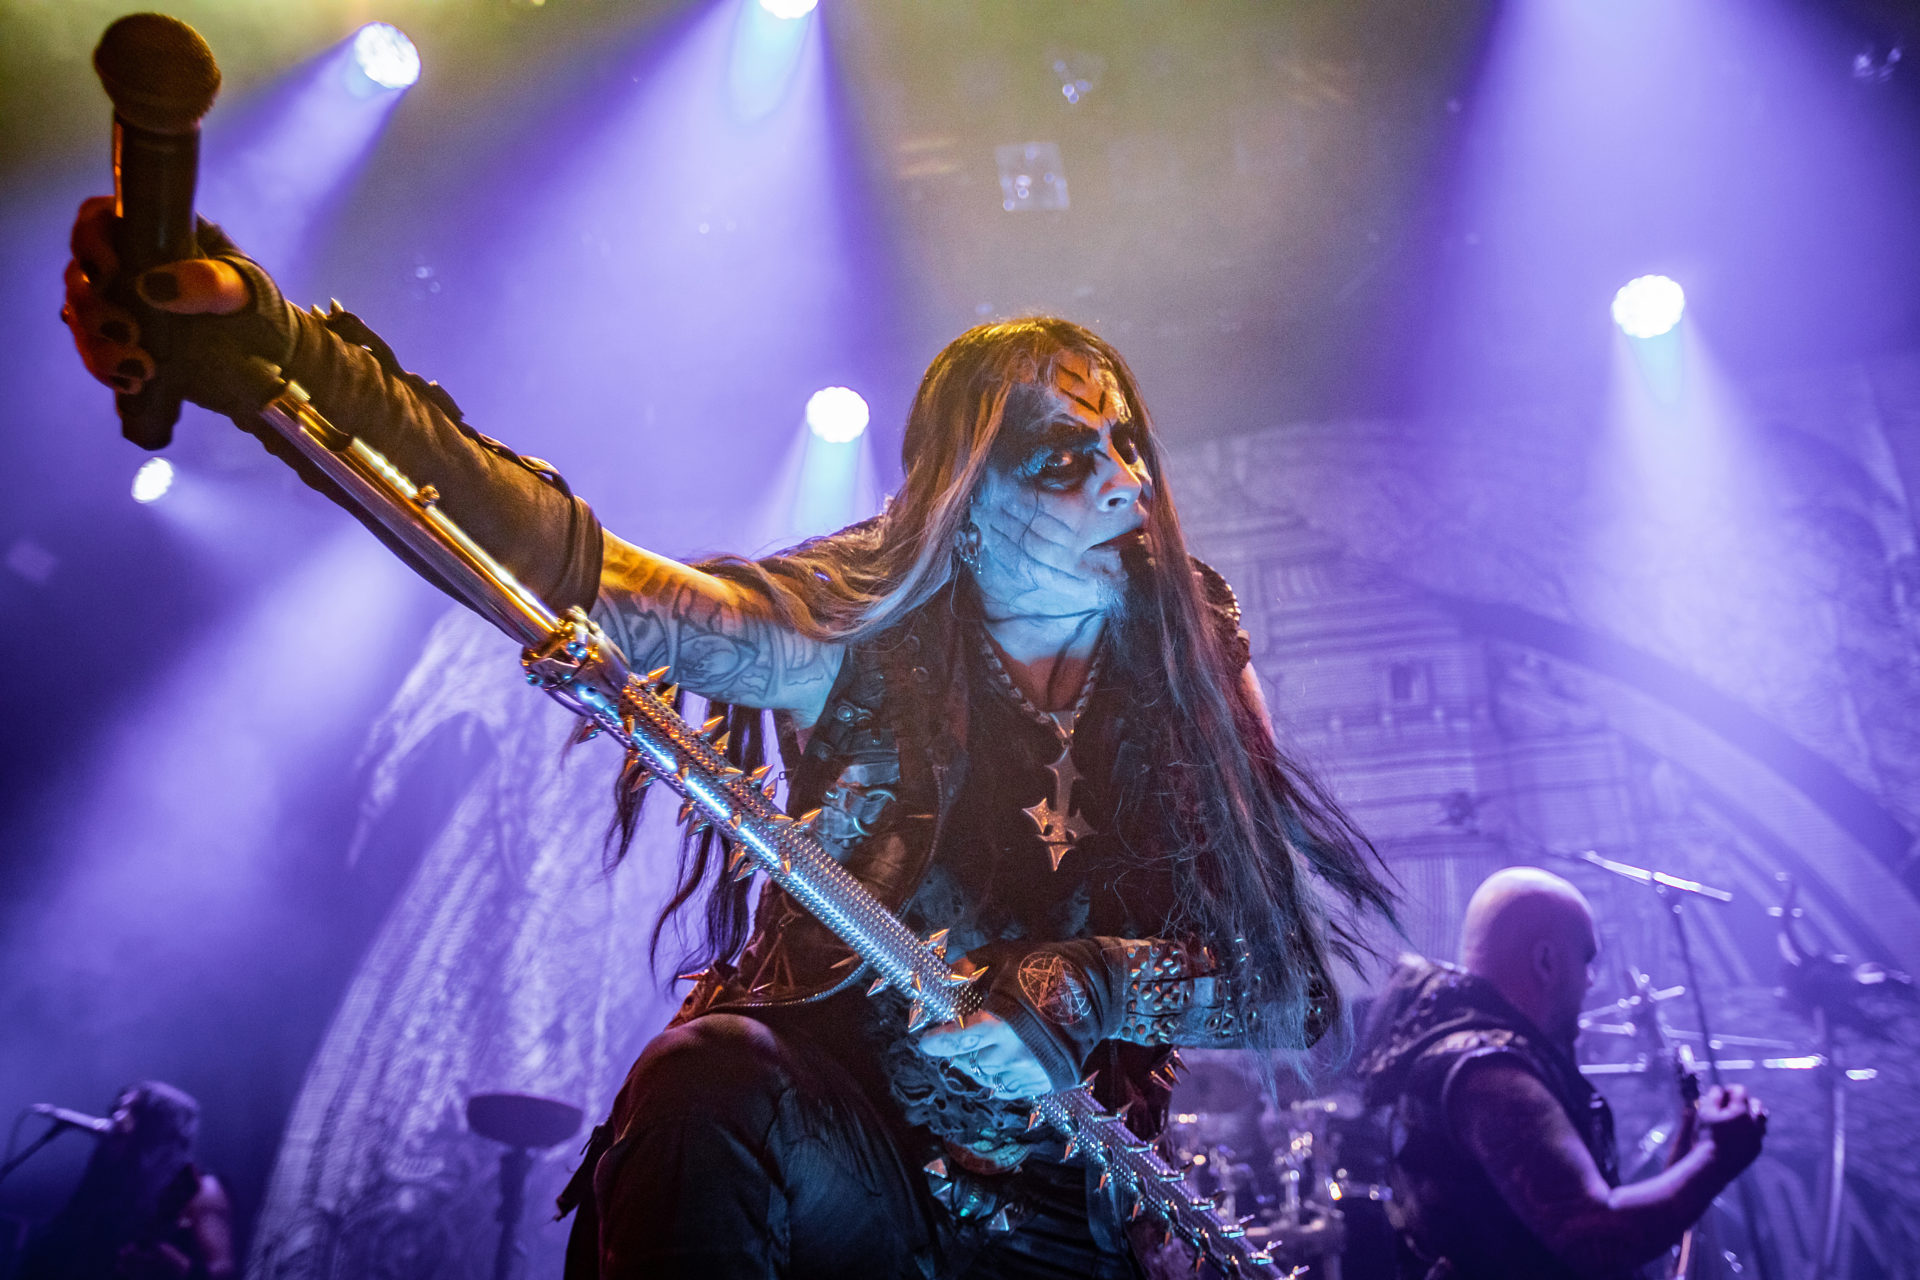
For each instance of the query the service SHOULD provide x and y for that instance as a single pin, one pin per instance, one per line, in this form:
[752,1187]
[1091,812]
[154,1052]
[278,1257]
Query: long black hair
[1251,822]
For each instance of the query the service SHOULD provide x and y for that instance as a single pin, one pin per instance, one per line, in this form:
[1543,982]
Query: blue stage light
[152,480]
[1648,306]
[789,8]
[836,414]
[385,56]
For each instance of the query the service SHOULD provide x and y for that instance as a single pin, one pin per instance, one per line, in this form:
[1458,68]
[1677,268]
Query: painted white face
[1065,489]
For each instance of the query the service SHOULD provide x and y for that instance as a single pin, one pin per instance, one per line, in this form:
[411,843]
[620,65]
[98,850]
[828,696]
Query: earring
[966,545]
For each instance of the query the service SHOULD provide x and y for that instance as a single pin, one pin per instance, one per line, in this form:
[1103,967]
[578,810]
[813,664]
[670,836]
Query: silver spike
[879,985]
[918,1017]
[759,775]
[1106,1176]
[668,692]
[806,819]
[712,723]
[719,743]
[937,1167]
[655,676]
[999,1224]
[686,811]
[938,940]
[692,975]
[1035,1119]
[1071,1149]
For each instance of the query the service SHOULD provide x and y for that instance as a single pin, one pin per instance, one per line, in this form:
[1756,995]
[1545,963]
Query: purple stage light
[837,414]
[152,480]
[789,8]
[1648,306]
[385,56]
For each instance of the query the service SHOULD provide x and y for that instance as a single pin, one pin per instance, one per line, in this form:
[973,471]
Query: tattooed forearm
[1528,1147]
[717,639]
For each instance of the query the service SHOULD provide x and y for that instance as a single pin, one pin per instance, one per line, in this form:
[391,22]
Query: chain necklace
[1056,820]
[1059,723]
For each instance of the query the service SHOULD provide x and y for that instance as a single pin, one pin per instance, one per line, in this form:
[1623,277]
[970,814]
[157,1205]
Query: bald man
[1504,1163]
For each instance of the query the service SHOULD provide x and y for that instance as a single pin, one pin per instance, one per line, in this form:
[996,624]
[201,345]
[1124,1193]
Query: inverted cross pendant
[1057,819]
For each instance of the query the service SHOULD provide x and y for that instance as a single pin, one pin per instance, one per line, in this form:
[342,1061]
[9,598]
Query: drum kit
[1308,1173]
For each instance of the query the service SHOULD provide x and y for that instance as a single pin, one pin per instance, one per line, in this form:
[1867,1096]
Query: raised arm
[720,640]
[1520,1135]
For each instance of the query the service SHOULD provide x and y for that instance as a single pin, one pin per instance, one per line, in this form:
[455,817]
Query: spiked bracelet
[1177,992]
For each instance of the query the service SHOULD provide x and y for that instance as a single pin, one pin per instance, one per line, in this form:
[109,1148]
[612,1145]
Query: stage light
[152,480]
[385,55]
[836,414]
[789,8]
[1648,306]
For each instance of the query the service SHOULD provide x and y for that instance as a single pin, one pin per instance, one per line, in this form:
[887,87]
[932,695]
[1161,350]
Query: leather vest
[884,764]
[1432,1019]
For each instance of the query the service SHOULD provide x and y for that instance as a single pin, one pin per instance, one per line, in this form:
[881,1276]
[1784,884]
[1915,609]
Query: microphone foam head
[158,71]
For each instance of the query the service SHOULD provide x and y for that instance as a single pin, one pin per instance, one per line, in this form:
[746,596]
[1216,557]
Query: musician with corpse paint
[1027,718]
[1504,1165]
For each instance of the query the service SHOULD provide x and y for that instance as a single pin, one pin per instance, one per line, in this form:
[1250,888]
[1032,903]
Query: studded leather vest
[938,833]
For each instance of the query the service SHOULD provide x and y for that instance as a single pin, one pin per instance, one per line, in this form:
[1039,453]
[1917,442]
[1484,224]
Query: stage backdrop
[1508,638]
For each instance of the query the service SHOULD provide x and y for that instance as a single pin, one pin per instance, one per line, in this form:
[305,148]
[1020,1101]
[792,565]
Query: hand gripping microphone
[161,78]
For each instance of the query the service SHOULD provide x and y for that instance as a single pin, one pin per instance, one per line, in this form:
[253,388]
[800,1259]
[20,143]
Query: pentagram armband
[1063,998]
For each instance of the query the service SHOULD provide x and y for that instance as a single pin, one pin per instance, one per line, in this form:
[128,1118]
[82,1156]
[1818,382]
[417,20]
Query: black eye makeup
[1060,467]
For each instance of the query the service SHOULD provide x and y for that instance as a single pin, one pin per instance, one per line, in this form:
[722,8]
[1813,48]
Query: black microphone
[161,78]
[72,1119]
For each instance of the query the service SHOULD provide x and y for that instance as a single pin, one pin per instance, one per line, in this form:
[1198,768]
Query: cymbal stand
[1672,892]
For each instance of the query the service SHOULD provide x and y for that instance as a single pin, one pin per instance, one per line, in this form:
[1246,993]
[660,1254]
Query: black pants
[743,1147]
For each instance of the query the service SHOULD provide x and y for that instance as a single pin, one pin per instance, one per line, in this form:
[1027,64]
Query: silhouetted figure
[143,1209]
